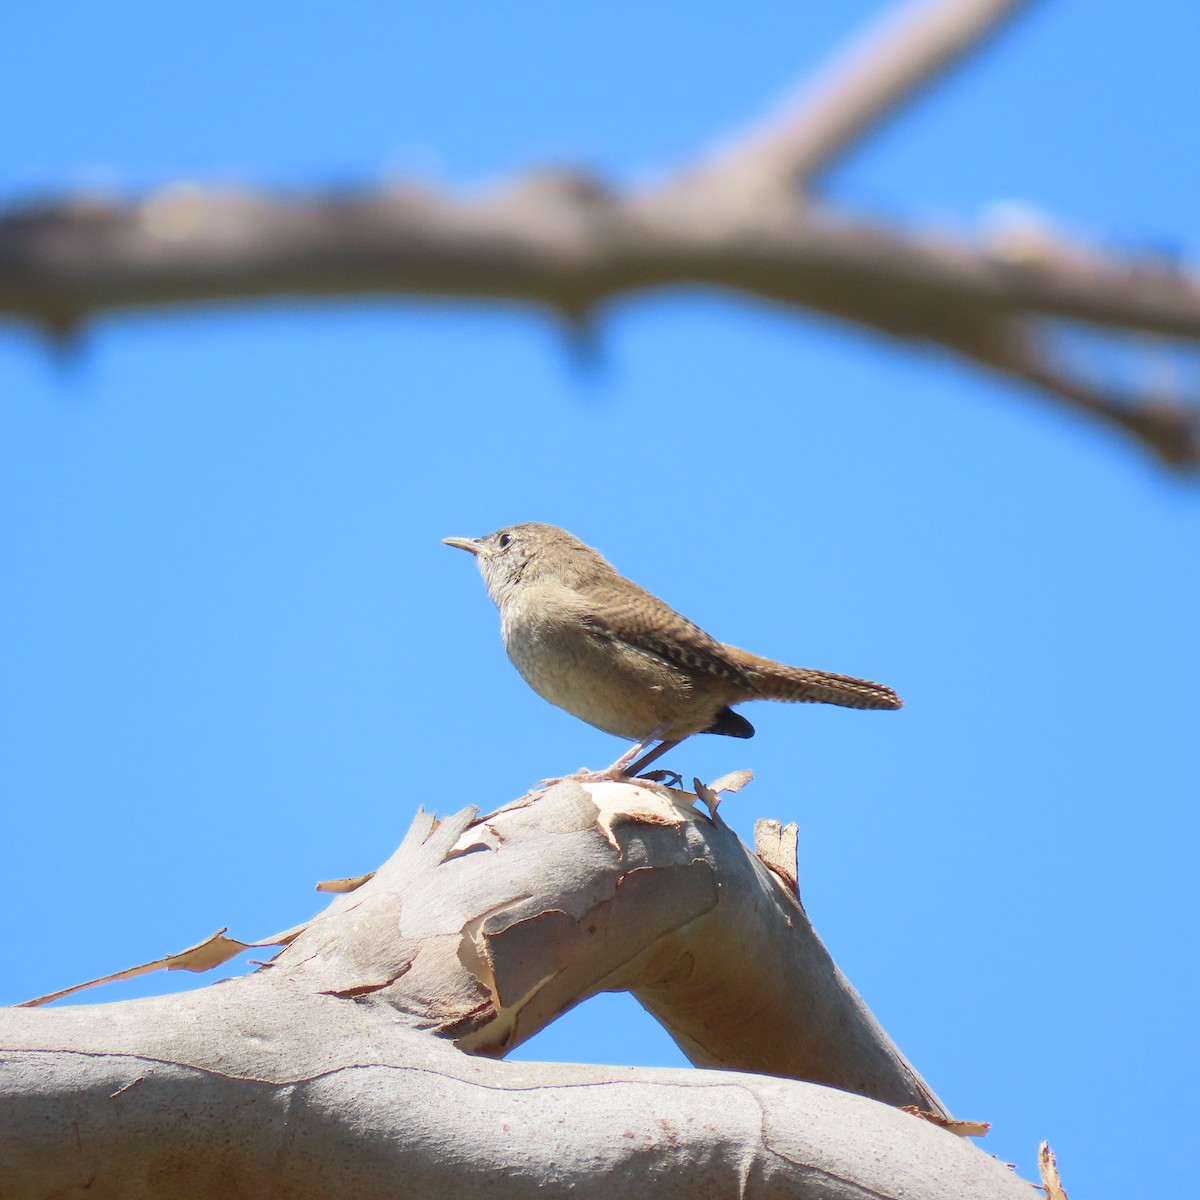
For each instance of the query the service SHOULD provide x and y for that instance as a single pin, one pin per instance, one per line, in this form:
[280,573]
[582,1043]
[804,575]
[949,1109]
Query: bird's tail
[776,681]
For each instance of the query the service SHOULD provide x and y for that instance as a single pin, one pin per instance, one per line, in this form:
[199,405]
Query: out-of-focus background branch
[564,240]
[571,246]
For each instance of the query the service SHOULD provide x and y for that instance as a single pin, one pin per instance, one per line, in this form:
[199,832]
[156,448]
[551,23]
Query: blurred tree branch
[743,220]
[904,54]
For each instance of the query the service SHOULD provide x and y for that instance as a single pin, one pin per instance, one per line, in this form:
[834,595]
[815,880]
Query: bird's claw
[648,779]
[662,776]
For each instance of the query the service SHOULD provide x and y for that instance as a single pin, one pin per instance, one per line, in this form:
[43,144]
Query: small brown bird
[594,643]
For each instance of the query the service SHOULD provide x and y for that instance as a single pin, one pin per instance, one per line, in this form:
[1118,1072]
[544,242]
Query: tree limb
[350,1064]
[568,247]
[383,1115]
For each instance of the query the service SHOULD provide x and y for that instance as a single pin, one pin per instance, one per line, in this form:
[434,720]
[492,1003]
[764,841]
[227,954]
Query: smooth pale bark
[354,1063]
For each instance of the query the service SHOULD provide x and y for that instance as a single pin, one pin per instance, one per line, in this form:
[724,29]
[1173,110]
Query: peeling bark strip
[322,1074]
[563,241]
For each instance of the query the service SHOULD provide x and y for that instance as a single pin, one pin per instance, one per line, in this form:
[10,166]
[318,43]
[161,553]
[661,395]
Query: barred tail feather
[823,687]
[775,681]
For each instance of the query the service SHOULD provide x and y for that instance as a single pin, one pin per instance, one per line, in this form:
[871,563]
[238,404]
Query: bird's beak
[470,545]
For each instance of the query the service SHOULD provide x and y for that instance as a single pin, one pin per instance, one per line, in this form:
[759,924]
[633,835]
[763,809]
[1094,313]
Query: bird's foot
[583,775]
[652,780]
[671,779]
[627,768]
[613,774]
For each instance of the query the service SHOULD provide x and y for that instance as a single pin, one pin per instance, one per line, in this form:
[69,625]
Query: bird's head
[528,553]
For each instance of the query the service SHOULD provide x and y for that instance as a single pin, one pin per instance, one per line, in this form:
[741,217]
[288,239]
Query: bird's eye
[503,540]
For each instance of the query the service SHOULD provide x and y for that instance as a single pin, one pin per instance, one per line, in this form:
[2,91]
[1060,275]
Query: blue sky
[238,657]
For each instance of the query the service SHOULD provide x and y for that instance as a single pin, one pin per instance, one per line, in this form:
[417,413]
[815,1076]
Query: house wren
[591,641]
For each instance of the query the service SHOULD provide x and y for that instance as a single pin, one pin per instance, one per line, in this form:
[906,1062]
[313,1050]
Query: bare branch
[323,1074]
[324,1099]
[1158,421]
[564,243]
[906,52]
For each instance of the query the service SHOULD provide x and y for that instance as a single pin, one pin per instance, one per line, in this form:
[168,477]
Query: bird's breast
[595,678]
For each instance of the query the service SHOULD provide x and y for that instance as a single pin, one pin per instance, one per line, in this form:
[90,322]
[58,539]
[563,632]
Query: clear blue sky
[237,657]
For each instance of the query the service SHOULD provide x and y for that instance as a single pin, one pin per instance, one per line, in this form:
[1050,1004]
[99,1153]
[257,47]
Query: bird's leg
[626,767]
[621,768]
[642,763]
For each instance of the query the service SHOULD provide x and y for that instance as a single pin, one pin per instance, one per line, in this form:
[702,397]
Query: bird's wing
[645,623]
